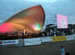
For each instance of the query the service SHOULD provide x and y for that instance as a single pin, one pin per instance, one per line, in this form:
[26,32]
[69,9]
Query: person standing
[62,50]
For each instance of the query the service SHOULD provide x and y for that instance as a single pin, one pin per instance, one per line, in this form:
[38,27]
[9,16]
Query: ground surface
[43,49]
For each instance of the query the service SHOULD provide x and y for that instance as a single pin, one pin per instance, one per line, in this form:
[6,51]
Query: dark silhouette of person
[67,53]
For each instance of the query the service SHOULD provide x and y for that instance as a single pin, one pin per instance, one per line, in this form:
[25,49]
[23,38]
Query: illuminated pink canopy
[30,20]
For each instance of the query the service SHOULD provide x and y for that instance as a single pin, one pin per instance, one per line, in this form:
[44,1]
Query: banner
[58,38]
[46,39]
[70,37]
[9,42]
[32,41]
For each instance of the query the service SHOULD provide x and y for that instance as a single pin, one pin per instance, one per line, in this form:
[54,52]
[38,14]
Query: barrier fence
[46,39]
[32,41]
[58,38]
[70,37]
[35,41]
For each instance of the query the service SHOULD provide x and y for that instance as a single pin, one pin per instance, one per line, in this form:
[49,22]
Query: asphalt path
[49,48]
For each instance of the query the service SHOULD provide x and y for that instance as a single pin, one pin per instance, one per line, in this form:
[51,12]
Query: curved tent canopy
[30,20]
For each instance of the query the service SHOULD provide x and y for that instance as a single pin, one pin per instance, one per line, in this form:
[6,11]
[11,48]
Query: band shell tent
[30,20]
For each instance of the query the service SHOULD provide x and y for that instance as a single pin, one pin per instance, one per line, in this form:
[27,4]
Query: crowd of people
[58,32]
[17,35]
